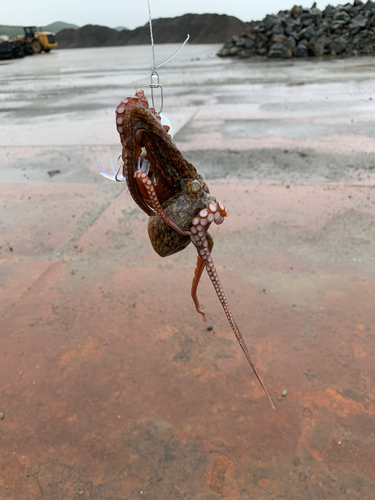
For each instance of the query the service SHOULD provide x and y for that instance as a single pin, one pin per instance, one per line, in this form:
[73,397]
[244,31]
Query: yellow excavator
[38,39]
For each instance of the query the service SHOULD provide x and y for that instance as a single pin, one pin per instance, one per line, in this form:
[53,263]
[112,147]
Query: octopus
[175,197]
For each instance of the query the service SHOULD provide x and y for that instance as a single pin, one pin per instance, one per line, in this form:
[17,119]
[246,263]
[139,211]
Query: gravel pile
[346,29]
[87,36]
[202,28]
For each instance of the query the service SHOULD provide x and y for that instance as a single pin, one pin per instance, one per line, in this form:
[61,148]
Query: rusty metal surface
[112,388]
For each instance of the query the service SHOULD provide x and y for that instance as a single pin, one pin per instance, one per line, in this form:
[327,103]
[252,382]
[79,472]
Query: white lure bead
[165,121]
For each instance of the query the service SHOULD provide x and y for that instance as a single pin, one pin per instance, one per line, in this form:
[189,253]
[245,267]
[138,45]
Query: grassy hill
[11,30]
[18,30]
[58,26]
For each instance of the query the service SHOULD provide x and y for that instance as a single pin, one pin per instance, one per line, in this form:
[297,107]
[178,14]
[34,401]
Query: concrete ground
[111,387]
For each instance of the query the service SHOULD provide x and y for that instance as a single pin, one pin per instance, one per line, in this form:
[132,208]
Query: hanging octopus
[174,196]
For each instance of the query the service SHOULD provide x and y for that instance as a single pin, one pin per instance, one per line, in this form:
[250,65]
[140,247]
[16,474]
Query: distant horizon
[114,13]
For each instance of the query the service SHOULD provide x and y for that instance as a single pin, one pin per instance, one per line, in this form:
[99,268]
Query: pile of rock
[14,49]
[346,29]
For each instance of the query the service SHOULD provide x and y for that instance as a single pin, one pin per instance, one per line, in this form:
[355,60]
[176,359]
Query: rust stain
[358,350]
[363,329]
[332,400]
[264,483]
[91,348]
[217,474]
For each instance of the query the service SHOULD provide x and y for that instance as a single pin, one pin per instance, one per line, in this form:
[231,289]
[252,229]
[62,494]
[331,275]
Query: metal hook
[121,163]
[155,84]
[116,175]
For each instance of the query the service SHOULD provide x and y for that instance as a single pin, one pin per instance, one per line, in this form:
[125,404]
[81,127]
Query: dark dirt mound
[220,29]
[87,36]
[202,28]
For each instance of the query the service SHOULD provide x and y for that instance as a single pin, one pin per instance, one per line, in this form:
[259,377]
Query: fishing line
[151,34]
[155,81]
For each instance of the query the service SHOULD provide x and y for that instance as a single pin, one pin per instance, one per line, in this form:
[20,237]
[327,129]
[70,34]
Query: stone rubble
[347,30]
[12,49]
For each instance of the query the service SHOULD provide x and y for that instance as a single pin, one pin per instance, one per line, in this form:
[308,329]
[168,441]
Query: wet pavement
[111,385]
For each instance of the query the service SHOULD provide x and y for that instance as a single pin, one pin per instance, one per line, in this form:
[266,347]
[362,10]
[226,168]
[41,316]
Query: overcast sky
[131,13]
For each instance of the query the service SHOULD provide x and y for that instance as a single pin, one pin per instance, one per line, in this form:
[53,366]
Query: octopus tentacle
[131,151]
[144,178]
[198,234]
[216,213]
[197,276]
[142,132]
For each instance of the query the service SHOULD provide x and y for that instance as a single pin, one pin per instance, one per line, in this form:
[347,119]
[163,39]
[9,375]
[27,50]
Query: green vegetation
[18,30]
[58,26]
[11,30]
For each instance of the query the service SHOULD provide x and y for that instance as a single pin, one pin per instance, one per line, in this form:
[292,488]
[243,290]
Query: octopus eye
[203,184]
[194,189]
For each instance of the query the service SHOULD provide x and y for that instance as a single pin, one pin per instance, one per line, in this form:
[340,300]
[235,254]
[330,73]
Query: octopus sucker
[175,197]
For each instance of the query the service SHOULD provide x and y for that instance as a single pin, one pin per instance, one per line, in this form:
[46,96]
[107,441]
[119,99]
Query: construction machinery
[38,39]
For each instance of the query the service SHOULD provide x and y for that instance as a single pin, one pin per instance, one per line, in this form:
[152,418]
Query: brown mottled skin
[181,208]
[175,197]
